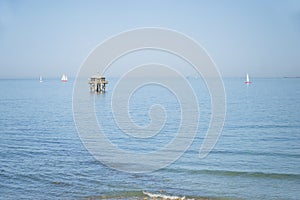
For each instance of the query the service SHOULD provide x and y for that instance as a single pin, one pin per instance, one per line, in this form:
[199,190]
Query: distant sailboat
[41,79]
[64,78]
[247,79]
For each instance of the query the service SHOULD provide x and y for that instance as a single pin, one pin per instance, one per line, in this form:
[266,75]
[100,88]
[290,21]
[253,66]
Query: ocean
[256,157]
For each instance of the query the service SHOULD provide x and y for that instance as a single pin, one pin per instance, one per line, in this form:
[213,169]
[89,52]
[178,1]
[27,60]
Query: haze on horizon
[50,38]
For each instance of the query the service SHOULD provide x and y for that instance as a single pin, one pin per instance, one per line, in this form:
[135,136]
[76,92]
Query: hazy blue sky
[54,37]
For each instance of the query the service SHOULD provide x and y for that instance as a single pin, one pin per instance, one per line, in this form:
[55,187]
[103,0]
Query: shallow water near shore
[256,157]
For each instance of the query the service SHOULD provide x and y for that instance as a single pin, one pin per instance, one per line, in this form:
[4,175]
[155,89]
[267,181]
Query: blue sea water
[257,155]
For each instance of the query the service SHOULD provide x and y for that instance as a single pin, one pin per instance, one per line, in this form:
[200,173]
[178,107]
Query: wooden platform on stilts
[98,83]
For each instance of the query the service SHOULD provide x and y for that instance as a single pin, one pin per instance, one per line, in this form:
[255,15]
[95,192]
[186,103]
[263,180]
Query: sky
[53,37]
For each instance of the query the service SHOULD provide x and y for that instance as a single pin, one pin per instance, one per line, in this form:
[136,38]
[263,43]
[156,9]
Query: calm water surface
[256,157]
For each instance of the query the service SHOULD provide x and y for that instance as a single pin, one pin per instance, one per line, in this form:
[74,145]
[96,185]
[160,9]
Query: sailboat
[41,79]
[64,78]
[247,79]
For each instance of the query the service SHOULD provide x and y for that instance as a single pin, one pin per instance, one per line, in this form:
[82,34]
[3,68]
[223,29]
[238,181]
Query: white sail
[41,79]
[247,79]
[64,78]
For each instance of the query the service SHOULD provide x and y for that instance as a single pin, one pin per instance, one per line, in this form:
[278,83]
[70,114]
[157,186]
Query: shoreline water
[162,195]
[256,157]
